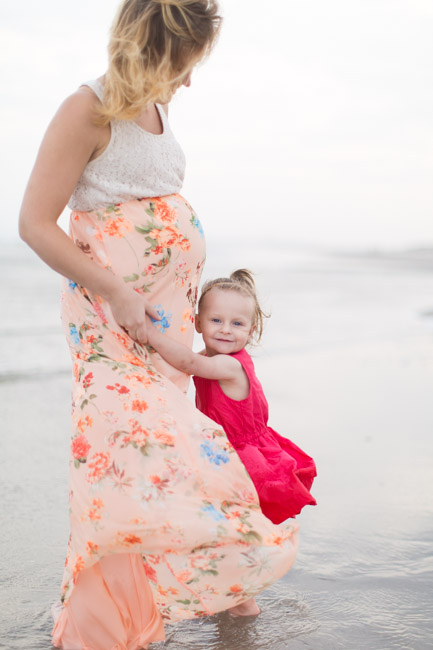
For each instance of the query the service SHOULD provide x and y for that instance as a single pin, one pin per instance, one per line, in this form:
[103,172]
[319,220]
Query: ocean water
[347,366]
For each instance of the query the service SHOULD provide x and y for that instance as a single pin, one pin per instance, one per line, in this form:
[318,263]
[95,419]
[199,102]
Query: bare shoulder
[231,361]
[71,140]
[235,384]
[75,124]
[80,106]
[229,367]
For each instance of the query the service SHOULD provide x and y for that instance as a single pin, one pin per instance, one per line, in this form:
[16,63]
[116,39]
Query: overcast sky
[311,123]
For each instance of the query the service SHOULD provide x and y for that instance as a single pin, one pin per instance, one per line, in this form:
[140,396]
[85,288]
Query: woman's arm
[71,140]
[221,366]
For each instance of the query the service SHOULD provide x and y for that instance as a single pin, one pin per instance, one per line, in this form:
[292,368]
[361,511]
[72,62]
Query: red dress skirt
[281,472]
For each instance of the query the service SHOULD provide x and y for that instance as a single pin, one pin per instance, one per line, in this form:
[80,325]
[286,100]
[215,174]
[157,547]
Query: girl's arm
[71,140]
[221,366]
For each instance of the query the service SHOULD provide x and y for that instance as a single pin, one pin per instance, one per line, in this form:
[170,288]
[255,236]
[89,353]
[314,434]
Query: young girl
[228,391]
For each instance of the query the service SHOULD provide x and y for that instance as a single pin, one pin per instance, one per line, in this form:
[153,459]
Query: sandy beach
[347,367]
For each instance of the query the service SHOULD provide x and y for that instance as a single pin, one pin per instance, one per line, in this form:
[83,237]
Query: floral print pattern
[150,474]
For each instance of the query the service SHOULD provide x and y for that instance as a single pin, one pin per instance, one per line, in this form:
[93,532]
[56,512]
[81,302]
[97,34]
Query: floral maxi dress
[151,476]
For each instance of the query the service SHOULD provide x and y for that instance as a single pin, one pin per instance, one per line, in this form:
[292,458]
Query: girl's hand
[129,309]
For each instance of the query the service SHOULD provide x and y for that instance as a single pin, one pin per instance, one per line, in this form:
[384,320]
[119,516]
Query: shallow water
[347,366]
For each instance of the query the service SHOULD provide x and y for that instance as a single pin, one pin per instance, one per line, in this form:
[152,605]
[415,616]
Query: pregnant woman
[165,521]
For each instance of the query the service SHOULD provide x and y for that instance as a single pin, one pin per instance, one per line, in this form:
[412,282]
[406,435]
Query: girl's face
[225,321]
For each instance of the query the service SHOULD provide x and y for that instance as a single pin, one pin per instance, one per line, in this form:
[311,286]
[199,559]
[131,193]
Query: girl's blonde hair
[154,45]
[240,280]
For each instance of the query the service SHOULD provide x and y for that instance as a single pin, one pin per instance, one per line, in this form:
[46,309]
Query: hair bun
[245,277]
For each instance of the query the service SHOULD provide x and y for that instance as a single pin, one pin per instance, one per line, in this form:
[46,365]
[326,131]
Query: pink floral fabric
[149,473]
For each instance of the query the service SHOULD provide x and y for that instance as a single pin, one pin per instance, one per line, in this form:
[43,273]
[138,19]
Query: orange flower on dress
[236,589]
[131,539]
[135,361]
[82,424]
[275,540]
[184,576]
[150,572]
[164,211]
[94,514]
[173,591]
[122,339]
[139,405]
[184,244]
[243,528]
[122,390]
[144,380]
[80,447]
[92,548]
[235,514]
[87,380]
[248,496]
[137,436]
[78,566]
[162,592]
[167,237]
[98,467]
[138,521]
[164,438]
[187,315]
[113,227]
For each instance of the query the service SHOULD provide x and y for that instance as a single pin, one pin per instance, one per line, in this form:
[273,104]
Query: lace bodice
[135,164]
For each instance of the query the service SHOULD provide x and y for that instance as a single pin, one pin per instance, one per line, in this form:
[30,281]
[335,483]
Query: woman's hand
[129,309]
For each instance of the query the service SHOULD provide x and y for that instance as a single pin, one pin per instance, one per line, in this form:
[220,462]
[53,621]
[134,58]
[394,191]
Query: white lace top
[135,164]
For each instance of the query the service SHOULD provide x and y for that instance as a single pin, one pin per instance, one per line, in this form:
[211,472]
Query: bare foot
[248,608]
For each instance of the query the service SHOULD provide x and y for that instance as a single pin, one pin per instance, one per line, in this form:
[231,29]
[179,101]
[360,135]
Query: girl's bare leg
[248,608]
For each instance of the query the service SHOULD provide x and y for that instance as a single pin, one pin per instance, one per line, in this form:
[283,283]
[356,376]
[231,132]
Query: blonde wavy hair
[242,281]
[154,45]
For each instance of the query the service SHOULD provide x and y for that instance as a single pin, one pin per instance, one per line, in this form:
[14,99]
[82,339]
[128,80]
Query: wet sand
[347,366]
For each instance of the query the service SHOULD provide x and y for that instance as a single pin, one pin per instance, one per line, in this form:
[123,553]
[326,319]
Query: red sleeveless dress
[281,472]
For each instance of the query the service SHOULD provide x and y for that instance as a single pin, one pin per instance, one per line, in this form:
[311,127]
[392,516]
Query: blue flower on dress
[74,334]
[213,512]
[164,323]
[213,453]
[196,223]
[72,285]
